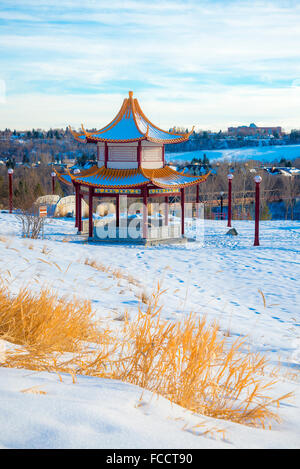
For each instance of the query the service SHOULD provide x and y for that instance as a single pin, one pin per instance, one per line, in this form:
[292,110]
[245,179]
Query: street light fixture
[10,173]
[229,177]
[257,180]
[53,175]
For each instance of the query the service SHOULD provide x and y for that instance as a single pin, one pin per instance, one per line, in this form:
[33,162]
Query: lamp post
[10,173]
[77,203]
[229,177]
[257,180]
[53,174]
[221,194]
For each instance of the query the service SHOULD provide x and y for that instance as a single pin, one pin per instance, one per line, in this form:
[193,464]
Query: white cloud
[211,61]
[204,108]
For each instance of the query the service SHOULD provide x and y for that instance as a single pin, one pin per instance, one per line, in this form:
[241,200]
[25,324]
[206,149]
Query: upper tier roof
[130,125]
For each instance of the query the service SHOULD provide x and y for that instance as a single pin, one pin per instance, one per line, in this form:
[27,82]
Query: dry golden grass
[116,273]
[190,365]
[189,362]
[33,390]
[44,322]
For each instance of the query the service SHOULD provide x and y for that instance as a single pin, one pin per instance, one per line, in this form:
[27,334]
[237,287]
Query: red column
[197,201]
[76,204]
[166,210]
[257,180]
[230,177]
[139,153]
[105,154]
[79,211]
[10,188]
[91,193]
[145,213]
[117,210]
[163,155]
[182,211]
[53,182]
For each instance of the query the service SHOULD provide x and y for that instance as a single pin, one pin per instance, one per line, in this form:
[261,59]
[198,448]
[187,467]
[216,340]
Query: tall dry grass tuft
[43,321]
[187,362]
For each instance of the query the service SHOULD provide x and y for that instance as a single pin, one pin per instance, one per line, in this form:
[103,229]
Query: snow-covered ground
[223,278]
[265,154]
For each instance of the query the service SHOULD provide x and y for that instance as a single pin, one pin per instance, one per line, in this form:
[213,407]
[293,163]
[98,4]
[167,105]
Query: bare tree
[290,191]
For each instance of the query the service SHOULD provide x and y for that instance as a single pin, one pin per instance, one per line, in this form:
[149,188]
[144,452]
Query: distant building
[254,131]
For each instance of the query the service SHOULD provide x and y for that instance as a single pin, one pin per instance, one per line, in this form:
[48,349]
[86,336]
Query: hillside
[264,154]
[251,292]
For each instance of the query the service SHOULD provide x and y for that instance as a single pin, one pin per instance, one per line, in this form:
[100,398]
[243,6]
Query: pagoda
[131,162]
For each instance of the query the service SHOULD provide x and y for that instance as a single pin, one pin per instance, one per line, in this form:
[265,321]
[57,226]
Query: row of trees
[274,188]
[30,183]
[46,145]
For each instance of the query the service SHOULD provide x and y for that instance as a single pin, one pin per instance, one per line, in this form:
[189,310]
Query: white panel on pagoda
[152,155]
[122,155]
[126,155]
[100,154]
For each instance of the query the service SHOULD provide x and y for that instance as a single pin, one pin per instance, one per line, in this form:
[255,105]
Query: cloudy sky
[210,63]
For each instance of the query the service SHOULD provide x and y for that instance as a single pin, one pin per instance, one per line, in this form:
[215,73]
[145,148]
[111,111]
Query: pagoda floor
[140,241]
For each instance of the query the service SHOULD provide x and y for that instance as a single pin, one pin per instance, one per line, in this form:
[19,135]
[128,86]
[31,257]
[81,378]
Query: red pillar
[230,177]
[139,153]
[91,193]
[257,180]
[166,210]
[53,182]
[76,204]
[182,210]
[163,155]
[79,211]
[145,213]
[10,188]
[197,201]
[105,154]
[117,210]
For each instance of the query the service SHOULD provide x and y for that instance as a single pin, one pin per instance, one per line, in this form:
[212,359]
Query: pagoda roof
[165,178]
[130,125]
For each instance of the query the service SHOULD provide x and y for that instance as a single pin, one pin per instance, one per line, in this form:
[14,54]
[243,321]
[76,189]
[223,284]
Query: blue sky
[211,64]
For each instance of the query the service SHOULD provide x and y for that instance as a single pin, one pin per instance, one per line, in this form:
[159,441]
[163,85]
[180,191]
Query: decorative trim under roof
[165,178]
[130,125]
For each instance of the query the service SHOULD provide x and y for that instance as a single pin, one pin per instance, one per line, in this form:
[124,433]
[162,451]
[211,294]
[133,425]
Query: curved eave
[105,178]
[178,138]
[179,183]
[169,141]
[149,139]
[78,136]
[65,178]
[111,140]
[111,178]
[145,129]
[168,178]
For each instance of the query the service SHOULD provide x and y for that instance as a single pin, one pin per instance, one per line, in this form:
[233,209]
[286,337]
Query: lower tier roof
[166,178]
